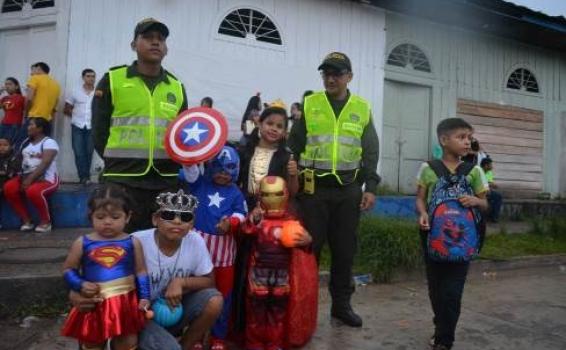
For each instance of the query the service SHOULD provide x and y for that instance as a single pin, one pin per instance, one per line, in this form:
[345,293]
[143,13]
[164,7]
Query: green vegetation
[388,245]
[45,308]
[505,246]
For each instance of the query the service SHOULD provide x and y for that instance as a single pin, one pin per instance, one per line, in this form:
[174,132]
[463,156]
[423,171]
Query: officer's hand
[368,201]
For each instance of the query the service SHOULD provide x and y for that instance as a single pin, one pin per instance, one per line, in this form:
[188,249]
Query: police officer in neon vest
[338,152]
[131,109]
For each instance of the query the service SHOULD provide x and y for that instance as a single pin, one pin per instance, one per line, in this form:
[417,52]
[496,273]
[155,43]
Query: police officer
[338,152]
[131,109]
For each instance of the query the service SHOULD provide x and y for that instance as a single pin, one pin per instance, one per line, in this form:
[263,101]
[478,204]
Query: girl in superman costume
[108,264]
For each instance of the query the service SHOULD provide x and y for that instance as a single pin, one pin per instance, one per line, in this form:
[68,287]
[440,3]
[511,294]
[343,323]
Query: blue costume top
[104,261]
[215,201]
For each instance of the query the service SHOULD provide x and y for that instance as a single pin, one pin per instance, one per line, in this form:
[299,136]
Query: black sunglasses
[169,215]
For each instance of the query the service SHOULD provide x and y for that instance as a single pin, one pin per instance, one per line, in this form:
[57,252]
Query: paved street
[514,310]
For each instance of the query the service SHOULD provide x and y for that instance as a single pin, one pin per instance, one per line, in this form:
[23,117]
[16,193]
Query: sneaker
[218,344]
[198,346]
[440,347]
[43,228]
[27,227]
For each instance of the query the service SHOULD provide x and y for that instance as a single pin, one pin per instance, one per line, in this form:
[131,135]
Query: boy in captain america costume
[218,218]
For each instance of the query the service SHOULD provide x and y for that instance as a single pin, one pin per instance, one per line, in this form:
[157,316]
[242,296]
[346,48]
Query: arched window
[18,5]
[522,79]
[251,24]
[409,56]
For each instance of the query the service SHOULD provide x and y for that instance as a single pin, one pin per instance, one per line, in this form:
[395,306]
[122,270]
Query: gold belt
[117,287]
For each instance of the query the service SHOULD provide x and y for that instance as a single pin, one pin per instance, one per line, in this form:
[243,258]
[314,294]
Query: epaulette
[120,66]
[171,74]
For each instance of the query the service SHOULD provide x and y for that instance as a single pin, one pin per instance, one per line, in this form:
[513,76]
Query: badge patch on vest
[171,97]
[354,117]
[356,128]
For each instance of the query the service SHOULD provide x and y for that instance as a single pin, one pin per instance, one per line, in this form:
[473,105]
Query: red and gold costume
[279,279]
[111,265]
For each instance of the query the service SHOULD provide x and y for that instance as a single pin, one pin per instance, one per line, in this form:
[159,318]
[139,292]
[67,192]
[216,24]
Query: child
[221,211]
[111,265]
[494,198]
[266,154]
[271,285]
[10,162]
[447,259]
[206,102]
[13,105]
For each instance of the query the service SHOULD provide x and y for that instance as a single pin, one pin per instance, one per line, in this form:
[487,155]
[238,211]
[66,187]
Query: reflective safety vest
[138,124]
[334,145]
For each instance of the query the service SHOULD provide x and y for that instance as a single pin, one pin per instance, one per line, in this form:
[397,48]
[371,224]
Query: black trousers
[445,288]
[332,214]
[495,200]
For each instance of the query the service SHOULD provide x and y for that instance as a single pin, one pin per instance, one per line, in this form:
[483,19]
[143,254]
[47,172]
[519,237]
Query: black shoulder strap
[465,168]
[439,168]
[118,67]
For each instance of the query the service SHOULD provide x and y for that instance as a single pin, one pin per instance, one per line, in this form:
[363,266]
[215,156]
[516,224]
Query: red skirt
[115,316]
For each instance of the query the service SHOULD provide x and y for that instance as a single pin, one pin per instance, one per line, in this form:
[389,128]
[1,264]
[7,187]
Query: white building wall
[475,66]
[231,70]
[97,34]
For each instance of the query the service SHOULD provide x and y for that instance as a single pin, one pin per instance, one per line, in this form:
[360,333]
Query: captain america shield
[196,135]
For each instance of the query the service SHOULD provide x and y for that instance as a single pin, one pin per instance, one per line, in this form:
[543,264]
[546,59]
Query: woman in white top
[38,178]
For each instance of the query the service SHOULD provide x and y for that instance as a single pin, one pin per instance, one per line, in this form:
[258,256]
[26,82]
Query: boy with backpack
[450,194]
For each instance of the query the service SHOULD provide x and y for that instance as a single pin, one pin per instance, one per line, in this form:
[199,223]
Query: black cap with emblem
[336,60]
[148,24]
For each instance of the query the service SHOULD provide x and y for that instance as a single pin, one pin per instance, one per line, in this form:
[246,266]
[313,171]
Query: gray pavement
[521,309]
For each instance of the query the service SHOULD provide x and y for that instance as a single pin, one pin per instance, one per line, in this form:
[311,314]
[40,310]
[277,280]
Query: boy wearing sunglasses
[221,211]
[179,270]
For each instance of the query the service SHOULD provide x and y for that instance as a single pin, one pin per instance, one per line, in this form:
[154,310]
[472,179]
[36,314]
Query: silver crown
[177,201]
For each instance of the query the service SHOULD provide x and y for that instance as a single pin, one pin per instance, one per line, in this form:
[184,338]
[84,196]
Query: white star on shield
[215,200]
[193,133]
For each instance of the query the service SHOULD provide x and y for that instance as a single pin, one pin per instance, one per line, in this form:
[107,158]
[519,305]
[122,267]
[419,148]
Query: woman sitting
[38,177]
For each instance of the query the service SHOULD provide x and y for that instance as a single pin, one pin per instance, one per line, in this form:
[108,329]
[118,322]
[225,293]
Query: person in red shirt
[13,106]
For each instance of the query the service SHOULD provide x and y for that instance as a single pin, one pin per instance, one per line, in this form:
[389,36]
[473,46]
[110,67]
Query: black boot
[346,314]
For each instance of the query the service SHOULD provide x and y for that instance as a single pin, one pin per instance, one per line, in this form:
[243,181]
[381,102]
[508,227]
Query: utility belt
[310,179]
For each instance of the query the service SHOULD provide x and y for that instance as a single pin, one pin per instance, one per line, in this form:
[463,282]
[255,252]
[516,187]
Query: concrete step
[30,267]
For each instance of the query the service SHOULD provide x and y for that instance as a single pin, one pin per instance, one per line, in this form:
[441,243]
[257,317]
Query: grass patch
[384,245]
[44,308]
[503,246]
[388,245]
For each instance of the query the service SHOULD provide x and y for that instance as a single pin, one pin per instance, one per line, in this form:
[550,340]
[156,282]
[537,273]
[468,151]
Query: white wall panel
[475,66]
[229,69]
